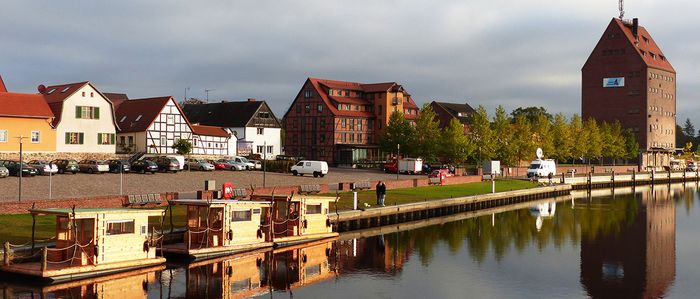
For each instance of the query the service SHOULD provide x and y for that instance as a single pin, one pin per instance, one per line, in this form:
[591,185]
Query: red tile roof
[643,45]
[116,98]
[210,131]
[136,115]
[378,87]
[2,85]
[24,105]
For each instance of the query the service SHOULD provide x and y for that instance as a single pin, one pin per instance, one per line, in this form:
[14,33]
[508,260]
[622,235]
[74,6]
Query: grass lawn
[409,195]
[18,228]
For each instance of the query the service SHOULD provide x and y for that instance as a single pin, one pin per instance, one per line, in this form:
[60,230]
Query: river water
[627,244]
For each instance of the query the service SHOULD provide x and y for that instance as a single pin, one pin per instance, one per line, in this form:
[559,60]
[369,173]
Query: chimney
[635,26]
[251,99]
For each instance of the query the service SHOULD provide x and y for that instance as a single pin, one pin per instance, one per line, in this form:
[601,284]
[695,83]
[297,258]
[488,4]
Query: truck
[542,168]
[407,166]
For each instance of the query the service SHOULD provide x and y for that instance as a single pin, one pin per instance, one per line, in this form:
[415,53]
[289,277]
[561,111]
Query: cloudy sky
[513,53]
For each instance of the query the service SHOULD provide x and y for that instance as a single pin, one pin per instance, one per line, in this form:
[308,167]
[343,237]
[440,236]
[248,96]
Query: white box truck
[411,165]
[542,168]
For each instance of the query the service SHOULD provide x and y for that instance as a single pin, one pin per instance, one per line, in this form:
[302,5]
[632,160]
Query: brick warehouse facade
[339,122]
[628,78]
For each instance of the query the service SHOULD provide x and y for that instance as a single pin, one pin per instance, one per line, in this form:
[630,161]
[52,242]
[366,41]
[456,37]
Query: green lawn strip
[418,194]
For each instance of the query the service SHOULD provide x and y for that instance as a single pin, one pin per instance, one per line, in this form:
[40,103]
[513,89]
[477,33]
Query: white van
[243,161]
[542,168]
[317,168]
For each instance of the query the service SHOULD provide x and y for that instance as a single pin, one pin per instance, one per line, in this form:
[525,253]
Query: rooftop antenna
[622,9]
[207,92]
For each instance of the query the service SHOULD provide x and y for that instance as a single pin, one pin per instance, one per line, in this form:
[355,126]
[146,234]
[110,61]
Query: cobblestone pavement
[84,185]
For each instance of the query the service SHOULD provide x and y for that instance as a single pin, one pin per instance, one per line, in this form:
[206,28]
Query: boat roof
[92,211]
[218,202]
[295,198]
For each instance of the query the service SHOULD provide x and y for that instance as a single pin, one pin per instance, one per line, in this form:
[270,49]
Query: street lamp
[264,162]
[21,141]
[398,155]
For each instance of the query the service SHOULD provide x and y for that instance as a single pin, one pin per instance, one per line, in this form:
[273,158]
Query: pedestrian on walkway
[381,192]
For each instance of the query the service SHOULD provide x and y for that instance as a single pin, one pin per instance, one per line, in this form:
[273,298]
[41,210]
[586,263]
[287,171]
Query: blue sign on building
[614,82]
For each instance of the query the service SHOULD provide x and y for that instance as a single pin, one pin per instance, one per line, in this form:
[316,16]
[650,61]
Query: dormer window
[330,92]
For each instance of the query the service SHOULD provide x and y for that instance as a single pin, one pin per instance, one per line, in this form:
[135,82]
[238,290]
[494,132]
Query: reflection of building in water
[638,261]
[131,284]
[382,254]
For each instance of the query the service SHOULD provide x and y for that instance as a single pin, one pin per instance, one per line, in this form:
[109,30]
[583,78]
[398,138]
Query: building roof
[2,85]
[210,131]
[225,114]
[137,115]
[645,44]
[460,111]
[55,95]
[24,105]
[116,98]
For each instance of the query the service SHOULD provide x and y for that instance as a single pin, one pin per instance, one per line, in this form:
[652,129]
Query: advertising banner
[614,82]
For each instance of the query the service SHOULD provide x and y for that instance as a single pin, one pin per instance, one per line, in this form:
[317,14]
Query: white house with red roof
[83,118]
[154,125]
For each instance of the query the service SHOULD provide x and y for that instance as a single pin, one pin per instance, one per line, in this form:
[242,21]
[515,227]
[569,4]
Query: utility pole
[264,162]
[622,8]
[21,166]
[207,92]
[186,89]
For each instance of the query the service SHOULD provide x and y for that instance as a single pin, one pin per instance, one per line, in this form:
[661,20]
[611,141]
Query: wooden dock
[358,219]
[613,179]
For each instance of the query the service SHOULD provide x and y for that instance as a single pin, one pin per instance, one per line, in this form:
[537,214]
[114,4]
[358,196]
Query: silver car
[43,167]
[4,172]
[231,164]
[198,164]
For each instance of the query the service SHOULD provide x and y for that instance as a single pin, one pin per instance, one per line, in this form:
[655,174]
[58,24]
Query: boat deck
[66,272]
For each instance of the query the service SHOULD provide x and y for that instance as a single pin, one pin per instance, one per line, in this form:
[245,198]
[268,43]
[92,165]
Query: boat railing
[205,240]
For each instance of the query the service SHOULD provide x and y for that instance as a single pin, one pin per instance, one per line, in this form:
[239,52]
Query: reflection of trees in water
[516,229]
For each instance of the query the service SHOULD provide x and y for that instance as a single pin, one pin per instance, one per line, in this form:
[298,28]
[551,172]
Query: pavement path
[85,185]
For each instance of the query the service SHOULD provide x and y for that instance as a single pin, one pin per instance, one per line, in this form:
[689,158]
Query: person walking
[381,192]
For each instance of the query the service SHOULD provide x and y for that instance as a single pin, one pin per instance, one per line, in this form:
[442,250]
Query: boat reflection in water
[131,284]
[261,272]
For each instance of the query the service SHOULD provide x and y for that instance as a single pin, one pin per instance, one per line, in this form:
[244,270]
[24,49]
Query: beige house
[84,118]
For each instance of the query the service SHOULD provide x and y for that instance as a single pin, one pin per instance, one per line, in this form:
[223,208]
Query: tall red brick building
[339,121]
[628,78]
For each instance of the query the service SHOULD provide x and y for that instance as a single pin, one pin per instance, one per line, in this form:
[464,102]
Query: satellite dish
[41,88]
[538,153]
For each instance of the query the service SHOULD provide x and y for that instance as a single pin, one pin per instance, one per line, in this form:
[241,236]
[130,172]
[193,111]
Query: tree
[182,147]
[562,138]
[455,145]
[503,133]
[594,146]
[542,129]
[481,135]
[530,113]
[689,128]
[398,131]
[523,145]
[631,145]
[618,149]
[579,148]
[427,134]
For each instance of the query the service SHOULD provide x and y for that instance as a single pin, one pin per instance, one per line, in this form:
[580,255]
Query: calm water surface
[630,244]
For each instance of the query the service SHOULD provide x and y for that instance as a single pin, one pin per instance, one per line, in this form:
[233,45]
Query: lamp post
[264,162]
[21,165]
[398,155]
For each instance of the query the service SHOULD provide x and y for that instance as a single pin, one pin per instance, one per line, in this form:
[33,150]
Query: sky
[490,53]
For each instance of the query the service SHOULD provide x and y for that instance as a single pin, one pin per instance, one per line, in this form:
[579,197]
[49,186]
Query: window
[120,227]
[269,149]
[170,119]
[86,112]
[323,123]
[138,117]
[347,93]
[313,209]
[131,140]
[65,89]
[359,137]
[259,149]
[359,125]
[163,141]
[323,138]
[35,136]
[307,94]
[105,138]
[264,114]
[74,138]
[241,215]
[330,92]
[240,285]
[122,140]
[307,108]
[260,131]
[352,138]
[123,118]
[3,135]
[342,122]
[319,108]
[342,138]
[83,94]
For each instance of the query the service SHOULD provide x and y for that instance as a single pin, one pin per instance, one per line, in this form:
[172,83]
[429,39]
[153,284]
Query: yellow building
[28,116]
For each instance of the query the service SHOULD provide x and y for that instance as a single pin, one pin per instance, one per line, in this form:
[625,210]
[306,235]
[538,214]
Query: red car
[217,165]
[391,167]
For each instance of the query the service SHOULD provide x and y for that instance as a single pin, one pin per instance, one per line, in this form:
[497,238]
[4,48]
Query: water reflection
[620,244]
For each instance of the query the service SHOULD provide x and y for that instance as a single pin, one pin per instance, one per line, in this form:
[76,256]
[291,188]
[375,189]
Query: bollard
[44,256]
[6,257]
[354,200]
[612,178]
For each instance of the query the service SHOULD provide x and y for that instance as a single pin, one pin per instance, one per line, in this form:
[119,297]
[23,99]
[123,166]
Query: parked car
[441,172]
[42,167]
[166,164]
[247,165]
[14,168]
[217,165]
[198,164]
[118,165]
[317,168]
[691,166]
[143,166]
[231,164]
[258,164]
[4,172]
[66,165]
[93,166]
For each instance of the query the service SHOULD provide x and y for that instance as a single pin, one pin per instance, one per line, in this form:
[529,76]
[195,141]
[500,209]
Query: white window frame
[3,136]
[260,131]
[38,137]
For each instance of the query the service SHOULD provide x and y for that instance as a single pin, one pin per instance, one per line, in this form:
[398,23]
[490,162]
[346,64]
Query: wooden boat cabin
[298,218]
[221,227]
[91,242]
